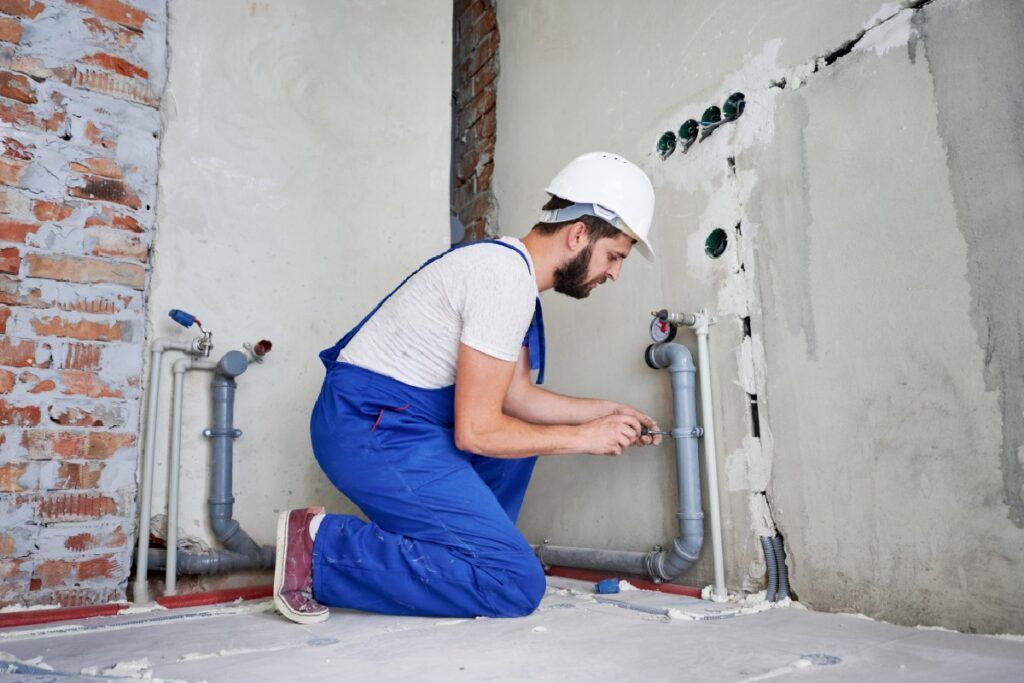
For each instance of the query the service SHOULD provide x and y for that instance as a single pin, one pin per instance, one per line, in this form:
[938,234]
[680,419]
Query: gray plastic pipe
[241,551]
[140,588]
[659,565]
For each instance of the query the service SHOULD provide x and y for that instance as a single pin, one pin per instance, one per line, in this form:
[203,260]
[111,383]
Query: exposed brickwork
[476,69]
[80,84]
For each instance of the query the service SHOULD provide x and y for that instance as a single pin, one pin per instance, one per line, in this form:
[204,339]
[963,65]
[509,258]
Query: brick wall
[476,68]
[80,85]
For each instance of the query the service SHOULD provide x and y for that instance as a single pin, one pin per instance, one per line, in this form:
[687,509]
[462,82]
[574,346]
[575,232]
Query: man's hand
[645,421]
[609,435]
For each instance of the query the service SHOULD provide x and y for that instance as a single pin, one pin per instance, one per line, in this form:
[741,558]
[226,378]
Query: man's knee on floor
[522,590]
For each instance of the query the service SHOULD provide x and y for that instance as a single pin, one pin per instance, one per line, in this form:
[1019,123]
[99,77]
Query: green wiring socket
[688,131]
[666,144]
[733,107]
[711,116]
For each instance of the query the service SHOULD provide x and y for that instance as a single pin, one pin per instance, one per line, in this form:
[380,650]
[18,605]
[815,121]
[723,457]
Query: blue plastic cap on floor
[607,586]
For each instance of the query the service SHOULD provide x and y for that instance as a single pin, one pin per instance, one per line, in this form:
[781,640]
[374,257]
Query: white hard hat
[618,191]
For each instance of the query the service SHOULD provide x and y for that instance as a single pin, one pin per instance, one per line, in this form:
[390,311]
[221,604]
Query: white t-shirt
[482,295]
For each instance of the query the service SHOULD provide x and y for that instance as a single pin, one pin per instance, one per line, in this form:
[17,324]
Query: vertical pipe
[711,455]
[141,586]
[173,477]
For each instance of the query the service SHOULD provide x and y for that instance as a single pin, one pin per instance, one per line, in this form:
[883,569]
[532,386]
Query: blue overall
[441,540]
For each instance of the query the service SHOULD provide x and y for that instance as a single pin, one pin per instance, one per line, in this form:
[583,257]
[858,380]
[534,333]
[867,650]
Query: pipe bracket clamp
[697,432]
[233,433]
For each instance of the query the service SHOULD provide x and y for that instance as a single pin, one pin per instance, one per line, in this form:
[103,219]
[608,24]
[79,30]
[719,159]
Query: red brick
[7,379]
[67,507]
[121,246]
[79,475]
[115,11]
[7,545]
[126,223]
[99,305]
[16,231]
[94,135]
[11,171]
[55,326]
[83,357]
[10,30]
[106,189]
[100,166]
[116,64]
[17,87]
[10,260]
[45,444]
[22,8]
[51,211]
[110,416]
[52,573]
[11,293]
[81,383]
[19,416]
[92,540]
[5,314]
[102,445]
[74,269]
[14,149]
[10,473]
[103,566]
[44,386]
[112,33]
[20,353]
[131,89]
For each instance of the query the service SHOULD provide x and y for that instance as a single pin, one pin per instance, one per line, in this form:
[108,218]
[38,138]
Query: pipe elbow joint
[675,357]
[232,364]
[666,565]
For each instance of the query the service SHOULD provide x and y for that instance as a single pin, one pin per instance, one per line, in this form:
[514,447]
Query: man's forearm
[542,407]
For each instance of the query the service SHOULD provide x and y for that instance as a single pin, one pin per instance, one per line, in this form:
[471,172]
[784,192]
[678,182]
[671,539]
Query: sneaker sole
[281,605]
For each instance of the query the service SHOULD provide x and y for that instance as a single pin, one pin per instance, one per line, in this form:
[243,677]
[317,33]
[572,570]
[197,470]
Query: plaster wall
[614,82]
[891,256]
[304,171]
[884,347]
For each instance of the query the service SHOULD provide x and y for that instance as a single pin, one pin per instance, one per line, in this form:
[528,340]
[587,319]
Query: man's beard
[571,277]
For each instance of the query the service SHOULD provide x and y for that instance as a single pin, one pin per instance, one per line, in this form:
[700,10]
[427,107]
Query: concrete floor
[571,637]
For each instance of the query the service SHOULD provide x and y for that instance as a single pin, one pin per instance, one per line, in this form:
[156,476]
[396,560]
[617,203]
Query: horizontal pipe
[642,584]
[211,562]
[593,558]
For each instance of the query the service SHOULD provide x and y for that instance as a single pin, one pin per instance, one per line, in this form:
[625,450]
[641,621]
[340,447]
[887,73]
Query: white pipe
[141,586]
[710,453]
[181,366]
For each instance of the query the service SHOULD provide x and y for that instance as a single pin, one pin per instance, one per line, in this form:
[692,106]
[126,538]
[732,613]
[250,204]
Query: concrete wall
[874,244]
[304,171]
[893,320]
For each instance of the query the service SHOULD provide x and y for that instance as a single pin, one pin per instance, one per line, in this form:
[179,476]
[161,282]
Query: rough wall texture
[893,323]
[80,81]
[304,171]
[473,98]
[870,194]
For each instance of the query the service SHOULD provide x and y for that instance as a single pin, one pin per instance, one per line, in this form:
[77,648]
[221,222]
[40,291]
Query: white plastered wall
[581,76]
[304,170]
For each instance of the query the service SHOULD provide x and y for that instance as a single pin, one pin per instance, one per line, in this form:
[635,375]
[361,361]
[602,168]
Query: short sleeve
[497,303]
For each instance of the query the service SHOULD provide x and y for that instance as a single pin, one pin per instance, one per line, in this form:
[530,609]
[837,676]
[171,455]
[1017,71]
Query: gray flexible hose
[780,563]
[773,571]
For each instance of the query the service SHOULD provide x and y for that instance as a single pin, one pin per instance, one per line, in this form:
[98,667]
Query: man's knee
[524,588]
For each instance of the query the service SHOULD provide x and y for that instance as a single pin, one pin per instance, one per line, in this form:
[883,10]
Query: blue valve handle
[182,318]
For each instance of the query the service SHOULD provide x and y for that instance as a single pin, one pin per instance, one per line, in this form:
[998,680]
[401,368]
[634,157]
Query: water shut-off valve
[201,345]
[665,324]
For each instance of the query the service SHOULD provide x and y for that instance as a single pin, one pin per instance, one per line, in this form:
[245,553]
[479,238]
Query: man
[428,419]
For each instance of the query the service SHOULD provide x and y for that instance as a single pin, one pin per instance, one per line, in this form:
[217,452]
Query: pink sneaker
[293,568]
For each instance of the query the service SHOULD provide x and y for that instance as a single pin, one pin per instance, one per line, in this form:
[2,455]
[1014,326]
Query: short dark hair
[596,227]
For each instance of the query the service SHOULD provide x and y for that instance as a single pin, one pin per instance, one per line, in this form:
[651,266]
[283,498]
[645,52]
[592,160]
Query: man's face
[592,266]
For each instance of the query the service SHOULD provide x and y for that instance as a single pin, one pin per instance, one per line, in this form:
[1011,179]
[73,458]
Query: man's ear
[576,237]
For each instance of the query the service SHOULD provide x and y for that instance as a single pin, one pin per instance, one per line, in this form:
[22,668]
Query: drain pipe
[140,588]
[659,564]
[241,551]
